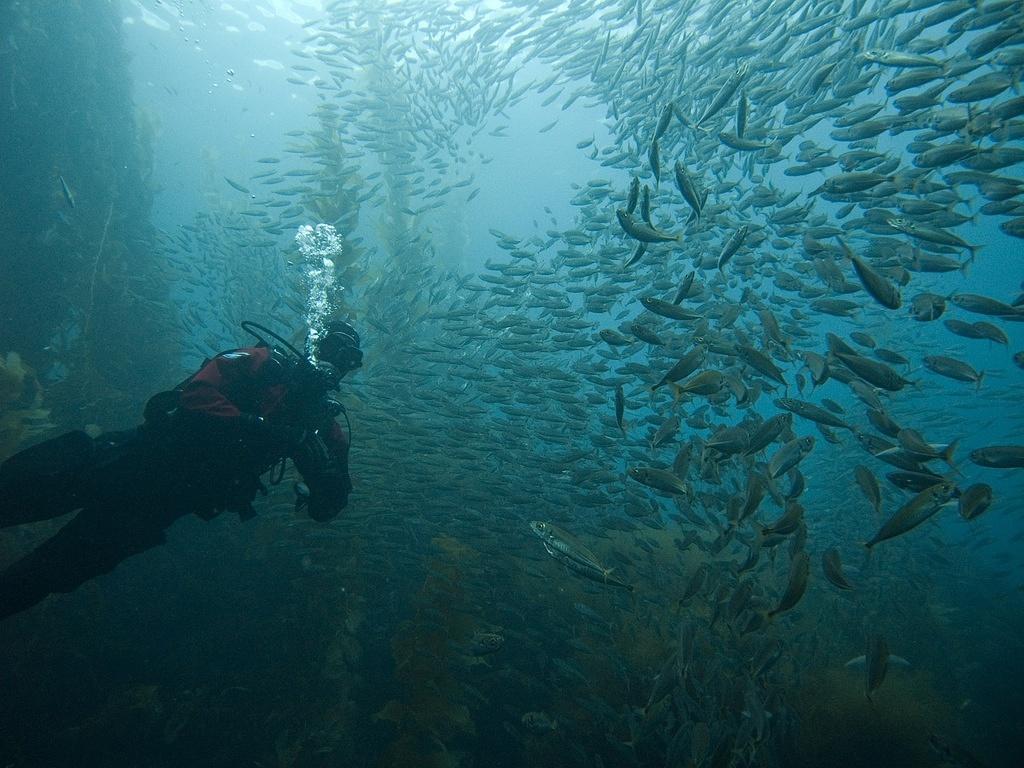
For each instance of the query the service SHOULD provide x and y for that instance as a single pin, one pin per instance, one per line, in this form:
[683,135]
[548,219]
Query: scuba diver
[202,449]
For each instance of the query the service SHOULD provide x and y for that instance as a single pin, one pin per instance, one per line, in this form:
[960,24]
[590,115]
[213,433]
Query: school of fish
[702,402]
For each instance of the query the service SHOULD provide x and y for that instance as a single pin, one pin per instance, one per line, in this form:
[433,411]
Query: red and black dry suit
[202,450]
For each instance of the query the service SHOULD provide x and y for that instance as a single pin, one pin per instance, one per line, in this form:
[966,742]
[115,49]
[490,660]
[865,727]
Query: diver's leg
[42,482]
[93,543]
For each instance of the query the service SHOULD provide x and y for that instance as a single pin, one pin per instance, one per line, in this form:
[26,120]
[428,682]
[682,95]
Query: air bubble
[319,246]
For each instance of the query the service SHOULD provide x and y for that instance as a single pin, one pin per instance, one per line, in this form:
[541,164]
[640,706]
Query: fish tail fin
[966,265]
[915,182]
[977,385]
[947,455]
[629,587]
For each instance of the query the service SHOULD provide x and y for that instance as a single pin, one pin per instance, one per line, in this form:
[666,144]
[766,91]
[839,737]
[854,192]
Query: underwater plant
[83,295]
[432,710]
[22,416]
[839,726]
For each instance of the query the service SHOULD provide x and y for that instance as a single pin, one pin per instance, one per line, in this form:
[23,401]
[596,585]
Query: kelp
[22,416]
[838,725]
[432,710]
[82,293]
[335,200]
[408,255]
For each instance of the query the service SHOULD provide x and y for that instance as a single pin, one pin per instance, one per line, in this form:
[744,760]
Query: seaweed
[431,711]
[838,726]
[336,200]
[22,416]
[74,209]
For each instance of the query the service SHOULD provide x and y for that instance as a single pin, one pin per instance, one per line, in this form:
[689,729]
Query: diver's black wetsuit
[202,450]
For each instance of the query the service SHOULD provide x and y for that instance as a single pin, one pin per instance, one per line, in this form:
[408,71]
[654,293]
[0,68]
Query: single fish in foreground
[567,550]
[914,512]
